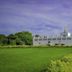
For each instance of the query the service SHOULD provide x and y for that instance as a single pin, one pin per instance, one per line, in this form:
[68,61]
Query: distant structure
[64,38]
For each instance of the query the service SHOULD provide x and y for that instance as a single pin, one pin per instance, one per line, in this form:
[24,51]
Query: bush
[61,65]
[67,58]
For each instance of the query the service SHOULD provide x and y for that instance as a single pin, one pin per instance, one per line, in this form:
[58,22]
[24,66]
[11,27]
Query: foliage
[61,65]
[2,39]
[19,38]
[26,37]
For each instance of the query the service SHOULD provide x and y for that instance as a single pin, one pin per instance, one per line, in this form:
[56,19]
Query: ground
[28,59]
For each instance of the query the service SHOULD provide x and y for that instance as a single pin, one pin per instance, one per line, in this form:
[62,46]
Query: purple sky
[36,16]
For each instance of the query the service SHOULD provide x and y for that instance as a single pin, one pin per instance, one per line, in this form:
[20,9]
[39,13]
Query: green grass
[28,59]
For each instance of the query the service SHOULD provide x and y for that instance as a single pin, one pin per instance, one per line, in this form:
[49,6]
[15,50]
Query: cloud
[37,17]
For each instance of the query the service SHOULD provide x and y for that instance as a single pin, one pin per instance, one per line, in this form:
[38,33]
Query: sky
[37,16]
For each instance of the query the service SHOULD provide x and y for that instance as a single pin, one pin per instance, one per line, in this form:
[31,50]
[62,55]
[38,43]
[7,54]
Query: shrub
[60,65]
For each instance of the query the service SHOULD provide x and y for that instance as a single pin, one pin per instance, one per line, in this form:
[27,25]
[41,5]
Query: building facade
[64,38]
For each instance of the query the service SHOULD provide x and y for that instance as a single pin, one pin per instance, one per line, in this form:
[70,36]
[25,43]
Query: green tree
[19,42]
[2,38]
[11,39]
[19,38]
[25,37]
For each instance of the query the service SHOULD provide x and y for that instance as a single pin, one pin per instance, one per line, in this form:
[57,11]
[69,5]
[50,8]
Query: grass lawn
[28,59]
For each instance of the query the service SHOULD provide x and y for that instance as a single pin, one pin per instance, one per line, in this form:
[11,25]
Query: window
[63,38]
[36,39]
[68,38]
[54,39]
[40,39]
[58,38]
[49,38]
[44,39]
[48,42]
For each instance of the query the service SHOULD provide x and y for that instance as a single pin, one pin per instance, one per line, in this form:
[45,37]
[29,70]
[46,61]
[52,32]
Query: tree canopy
[18,38]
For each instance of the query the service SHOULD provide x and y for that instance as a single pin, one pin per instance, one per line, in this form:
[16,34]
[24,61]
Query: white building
[64,38]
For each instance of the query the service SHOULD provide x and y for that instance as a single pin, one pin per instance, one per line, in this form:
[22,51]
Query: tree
[19,38]
[19,42]
[11,39]
[25,37]
[2,38]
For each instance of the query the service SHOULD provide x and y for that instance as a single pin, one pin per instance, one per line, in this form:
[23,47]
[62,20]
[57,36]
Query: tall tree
[2,38]
[11,39]
[25,37]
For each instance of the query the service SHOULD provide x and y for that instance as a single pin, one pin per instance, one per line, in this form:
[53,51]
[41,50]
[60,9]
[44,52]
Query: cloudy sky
[36,16]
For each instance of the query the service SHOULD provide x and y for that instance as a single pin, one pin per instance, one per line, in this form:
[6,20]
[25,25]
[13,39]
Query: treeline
[19,38]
